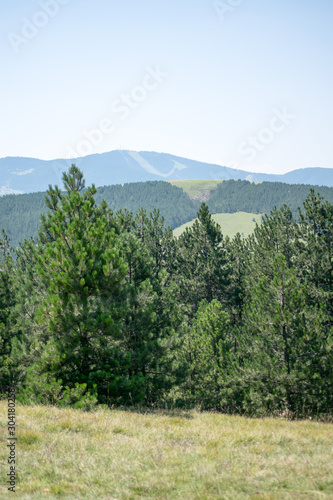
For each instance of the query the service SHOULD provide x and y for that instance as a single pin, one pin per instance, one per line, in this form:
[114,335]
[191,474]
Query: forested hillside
[245,196]
[174,205]
[111,309]
[20,214]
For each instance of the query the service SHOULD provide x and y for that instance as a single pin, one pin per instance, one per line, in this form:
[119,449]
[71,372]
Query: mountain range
[20,175]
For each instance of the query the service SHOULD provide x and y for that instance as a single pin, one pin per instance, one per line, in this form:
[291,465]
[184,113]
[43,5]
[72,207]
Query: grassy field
[113,454]
[231,224]
[197,189]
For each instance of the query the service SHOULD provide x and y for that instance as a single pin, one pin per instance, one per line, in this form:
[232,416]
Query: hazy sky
[242,83]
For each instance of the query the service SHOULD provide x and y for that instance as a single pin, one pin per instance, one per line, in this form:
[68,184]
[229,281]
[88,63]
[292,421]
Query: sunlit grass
[65,453]
[231,224]
[195,188]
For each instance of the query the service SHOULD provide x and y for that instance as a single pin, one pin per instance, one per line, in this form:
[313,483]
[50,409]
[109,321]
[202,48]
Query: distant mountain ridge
[28,175]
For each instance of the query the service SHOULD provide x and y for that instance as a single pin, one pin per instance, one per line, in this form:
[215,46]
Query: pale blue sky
[232,70]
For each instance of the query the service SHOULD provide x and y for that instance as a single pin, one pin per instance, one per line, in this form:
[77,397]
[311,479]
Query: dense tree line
[244,196]
[109,308]
[20,214]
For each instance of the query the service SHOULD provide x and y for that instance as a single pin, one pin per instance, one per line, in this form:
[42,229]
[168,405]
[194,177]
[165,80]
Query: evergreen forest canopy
[107,307]
[20,214]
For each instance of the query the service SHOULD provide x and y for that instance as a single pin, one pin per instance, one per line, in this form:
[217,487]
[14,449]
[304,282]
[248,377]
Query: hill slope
[233,196]
[231,224]
[20,214]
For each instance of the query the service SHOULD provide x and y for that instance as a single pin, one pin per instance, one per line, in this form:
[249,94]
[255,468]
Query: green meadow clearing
[118,454]
[196,188]
[231,224]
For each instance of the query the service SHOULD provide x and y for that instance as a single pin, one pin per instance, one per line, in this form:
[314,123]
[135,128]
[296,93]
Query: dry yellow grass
[113,454]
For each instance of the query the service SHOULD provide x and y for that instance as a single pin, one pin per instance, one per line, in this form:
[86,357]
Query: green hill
[178,202]
[20,214]
[232,196]
[231,224]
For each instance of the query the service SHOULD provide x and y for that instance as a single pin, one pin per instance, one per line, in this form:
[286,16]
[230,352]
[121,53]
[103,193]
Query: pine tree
[209,353]
[82,267]
[316,250]
[238,258]
[287,339]
[148,329]
[7,302]
[29,289]
[284,334]
[202,270]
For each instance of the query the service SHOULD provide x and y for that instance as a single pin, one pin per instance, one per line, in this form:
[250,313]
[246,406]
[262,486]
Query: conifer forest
[108,308]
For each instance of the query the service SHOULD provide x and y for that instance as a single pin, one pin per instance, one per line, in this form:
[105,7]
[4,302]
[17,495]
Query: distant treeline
[20,214]
[244,196]
[174,205]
